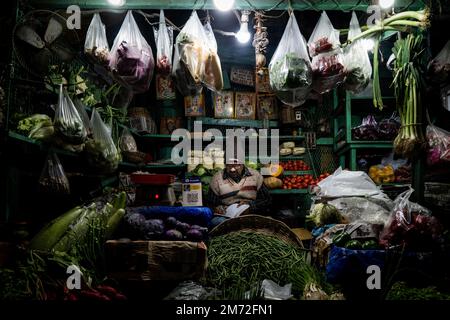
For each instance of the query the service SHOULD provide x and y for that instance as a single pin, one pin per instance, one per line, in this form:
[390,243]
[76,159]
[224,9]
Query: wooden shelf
[299,173]
[288,191]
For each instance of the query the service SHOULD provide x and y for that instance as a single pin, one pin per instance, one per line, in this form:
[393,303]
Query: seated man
[237,184]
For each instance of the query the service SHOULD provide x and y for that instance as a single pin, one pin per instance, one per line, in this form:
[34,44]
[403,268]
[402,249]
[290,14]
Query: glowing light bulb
[224,5]
[385,4]
[243,36]
[117,3]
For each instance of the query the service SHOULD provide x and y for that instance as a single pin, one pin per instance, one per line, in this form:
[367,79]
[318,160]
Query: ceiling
[342,5]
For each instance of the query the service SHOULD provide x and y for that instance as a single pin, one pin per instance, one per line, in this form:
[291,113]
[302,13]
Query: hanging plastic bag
[131,56]
[327,59]
[439,67]
[368,130]
[357,62]
[189,54]
[290,68]
[127,142]
[102,153]
[164,45]
[212,74]
[67,121]
[438,145]
[81,108]
[96,44]
[53,179]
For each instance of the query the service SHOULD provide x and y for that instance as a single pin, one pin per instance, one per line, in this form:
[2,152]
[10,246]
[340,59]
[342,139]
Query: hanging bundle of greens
[408,83]
[400,22]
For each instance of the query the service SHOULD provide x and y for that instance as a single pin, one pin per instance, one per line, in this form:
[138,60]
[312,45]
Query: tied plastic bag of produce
[290,69]
[212,73]
[131,56]
[164,45]
[324,37]
[188,63]
[388,128]
[368,130]
[438,145]
[327,57]
[439,67]
[67,122]
[81,108]
[357,62]
[96,44]
[53,179]
[127,142]
[411,225]
[102,154]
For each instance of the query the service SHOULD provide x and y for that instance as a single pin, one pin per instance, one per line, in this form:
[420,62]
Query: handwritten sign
[242,76]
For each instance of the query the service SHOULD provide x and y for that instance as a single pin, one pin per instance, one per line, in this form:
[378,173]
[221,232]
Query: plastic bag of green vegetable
[102,153]
[290,68]
[357,62]
[67,122]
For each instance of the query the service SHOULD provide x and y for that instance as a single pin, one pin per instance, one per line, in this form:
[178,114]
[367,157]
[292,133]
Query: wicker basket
[258,224]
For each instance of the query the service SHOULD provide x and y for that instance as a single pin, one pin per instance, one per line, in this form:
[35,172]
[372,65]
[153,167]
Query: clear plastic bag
[368,130]
[67,122]
[411,225]
[439,67]
[327,58]
[356,61]
[164,45]
[131,56]
[212,76]
[290,68]
[388,128]
[324,37]
[438,145]
[188,60]
[83,115]
[53,179]
[127,142]
[102,153]
[96,43]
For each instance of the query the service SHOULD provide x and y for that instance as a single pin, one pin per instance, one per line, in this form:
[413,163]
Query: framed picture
[169,124]
[267,107]
[165,88]
[224,104]
[245,105]
[194,106]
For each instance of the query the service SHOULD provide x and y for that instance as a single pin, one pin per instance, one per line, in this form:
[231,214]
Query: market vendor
[237,184]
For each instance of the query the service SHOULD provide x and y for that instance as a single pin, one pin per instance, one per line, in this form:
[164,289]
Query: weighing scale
[153,189]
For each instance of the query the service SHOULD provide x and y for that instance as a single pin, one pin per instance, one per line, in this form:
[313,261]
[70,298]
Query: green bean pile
[239,261]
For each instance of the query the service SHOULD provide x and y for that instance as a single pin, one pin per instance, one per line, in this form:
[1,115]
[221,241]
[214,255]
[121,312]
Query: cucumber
[49,235]
[113,223]
[74,230]
[120,201]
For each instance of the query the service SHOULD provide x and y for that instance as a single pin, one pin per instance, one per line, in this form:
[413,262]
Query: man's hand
[219,210]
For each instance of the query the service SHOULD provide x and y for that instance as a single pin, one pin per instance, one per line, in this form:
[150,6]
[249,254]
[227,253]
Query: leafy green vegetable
[401,291]
[290,72]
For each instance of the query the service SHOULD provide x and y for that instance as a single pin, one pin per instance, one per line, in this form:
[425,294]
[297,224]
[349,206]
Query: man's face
[234,170]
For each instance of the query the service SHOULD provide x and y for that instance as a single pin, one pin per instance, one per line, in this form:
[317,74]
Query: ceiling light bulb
[386,4]
[224,5]
[117,3]
[243,35]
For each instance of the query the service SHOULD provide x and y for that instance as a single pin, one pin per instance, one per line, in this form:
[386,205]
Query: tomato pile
[302,182]
[295,165]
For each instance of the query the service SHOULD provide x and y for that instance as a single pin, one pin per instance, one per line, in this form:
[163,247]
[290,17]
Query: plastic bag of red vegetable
[411,226]
[388,128]
[324,37]
[438,145]
[439,67]
[164,45]
[131,56]
[368,130]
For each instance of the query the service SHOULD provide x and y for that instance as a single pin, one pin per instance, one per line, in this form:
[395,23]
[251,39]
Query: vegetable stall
[116,119]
